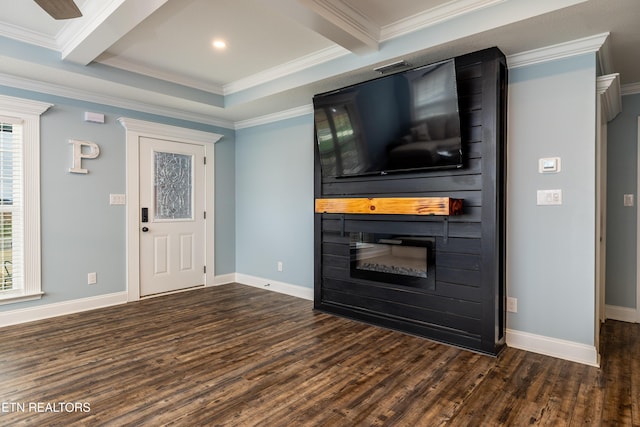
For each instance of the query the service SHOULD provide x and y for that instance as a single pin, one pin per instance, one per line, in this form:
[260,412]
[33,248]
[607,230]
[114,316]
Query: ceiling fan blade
[60,9]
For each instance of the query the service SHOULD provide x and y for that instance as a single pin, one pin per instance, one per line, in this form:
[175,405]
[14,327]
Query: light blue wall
[81,232]
[551,249]
[274,201]
[264,200]
[622,159]
[225,204]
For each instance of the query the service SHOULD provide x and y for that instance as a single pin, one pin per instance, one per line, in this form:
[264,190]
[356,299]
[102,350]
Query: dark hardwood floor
[239,356]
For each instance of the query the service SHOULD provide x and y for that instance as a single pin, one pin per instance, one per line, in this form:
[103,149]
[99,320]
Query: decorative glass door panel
[173,186]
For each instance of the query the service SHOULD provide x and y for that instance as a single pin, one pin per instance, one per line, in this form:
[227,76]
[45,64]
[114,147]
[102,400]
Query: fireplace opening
[401,260]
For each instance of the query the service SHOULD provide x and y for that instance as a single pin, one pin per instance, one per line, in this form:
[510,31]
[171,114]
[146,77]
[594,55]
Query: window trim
[29,112]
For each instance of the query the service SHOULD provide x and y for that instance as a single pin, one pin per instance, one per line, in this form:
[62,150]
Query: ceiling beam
[335,20]
[103,24]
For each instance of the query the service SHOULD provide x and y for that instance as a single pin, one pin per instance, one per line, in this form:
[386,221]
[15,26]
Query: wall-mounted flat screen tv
[402,122]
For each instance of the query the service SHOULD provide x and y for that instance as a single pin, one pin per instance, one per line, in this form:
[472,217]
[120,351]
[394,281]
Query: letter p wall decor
[82,150]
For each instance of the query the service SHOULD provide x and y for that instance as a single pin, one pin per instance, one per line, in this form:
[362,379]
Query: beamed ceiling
[158,56]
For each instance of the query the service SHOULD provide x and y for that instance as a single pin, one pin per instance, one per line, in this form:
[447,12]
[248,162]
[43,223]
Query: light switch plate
[549,197]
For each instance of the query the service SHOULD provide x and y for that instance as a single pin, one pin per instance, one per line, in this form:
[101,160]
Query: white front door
[172,216]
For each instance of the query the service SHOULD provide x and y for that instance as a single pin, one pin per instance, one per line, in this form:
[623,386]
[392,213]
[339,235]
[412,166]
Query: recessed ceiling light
[219,44]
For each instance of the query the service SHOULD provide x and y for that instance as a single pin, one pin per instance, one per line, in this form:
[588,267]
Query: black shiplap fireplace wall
[466,307]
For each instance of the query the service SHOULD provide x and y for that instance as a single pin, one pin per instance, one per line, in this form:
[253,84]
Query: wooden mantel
[391,206]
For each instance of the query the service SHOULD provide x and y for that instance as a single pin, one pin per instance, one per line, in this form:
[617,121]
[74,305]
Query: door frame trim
[638,228]
[136,129]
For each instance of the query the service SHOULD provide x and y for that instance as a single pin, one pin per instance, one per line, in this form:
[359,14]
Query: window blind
[11,205]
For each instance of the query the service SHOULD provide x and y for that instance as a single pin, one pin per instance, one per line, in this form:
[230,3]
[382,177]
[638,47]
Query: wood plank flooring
[240,356]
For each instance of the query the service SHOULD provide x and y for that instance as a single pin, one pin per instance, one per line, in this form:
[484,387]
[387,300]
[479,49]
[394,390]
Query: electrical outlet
[117,199]
[512,305]
[92,278]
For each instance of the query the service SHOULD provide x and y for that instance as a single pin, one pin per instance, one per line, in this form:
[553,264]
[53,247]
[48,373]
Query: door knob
[145,229]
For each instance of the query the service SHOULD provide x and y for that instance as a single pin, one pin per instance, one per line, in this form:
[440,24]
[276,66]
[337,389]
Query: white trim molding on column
[623,314]
[637,232]
[554,347]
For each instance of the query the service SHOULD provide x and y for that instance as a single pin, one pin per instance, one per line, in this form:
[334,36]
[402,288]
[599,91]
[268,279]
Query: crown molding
[557,51]
[604,57]
[263,77]
[87,96]
[133,67]
[275,117]
[32,37]
[288,68]
[610,81]
[608,87]
[23,106]
[433,16]
[630,89]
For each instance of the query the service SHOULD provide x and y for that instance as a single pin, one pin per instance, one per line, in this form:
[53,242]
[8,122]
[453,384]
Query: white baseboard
[45,311]
[273,285]
[624,314]
[223,279]
[562,349]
